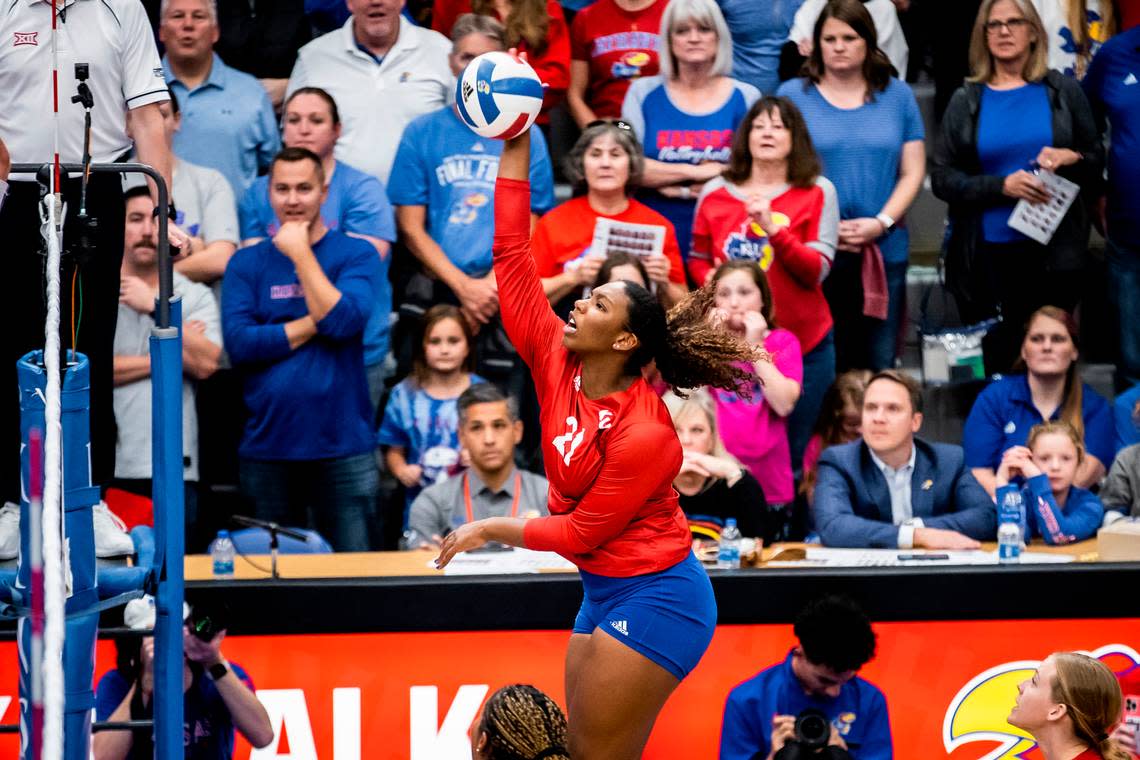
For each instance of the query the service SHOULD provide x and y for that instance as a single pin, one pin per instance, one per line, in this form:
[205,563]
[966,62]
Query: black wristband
[217,671]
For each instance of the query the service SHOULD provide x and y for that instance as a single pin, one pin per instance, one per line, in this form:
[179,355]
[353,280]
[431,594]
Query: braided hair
[523,723]
[689,348]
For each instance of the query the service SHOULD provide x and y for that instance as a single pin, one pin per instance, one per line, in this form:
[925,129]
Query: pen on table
[907,557]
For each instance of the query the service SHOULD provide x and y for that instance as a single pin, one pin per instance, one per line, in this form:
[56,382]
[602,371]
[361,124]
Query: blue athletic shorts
[667,616]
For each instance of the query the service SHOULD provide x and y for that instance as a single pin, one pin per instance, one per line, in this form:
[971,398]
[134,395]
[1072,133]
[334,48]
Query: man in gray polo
[489,430]
[201,349]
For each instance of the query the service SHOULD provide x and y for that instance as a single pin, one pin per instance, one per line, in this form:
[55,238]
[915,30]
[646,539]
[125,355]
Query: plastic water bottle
[1009,529]
[728,554]
[222,553]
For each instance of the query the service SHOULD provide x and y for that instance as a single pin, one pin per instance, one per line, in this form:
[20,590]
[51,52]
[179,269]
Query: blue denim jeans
[819,374]
[1124,295]
[332,496]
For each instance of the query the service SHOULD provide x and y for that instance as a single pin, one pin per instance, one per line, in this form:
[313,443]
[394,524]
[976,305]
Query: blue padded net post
[166,429]
[78,498]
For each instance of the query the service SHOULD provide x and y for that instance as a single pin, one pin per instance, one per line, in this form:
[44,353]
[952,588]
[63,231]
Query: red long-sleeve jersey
[610,461]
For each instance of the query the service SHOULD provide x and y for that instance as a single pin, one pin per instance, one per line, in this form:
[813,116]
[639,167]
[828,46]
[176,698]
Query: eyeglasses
[1010,25]
[608,122]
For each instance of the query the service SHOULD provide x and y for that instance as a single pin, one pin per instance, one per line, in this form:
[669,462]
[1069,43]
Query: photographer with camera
[218,695]
[813,704]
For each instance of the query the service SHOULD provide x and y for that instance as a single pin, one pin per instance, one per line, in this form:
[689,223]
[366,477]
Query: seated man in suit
[890,489]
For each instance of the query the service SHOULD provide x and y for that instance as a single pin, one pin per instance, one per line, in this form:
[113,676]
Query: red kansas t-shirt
[620,46]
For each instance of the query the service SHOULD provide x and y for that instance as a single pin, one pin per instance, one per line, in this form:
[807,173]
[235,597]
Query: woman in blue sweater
[1055,509]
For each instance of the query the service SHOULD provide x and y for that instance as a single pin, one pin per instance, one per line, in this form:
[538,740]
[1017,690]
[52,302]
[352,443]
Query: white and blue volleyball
[498,96]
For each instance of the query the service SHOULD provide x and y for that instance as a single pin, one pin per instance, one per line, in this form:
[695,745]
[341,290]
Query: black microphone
[272,527]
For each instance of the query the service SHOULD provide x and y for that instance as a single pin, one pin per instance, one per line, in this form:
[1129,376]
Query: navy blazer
[853,504]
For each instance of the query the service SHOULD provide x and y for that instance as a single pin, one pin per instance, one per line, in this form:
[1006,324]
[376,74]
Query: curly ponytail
[689,349]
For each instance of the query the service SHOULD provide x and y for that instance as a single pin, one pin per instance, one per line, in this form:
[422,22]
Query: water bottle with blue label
[1010,520]
[728,554]
[222,553]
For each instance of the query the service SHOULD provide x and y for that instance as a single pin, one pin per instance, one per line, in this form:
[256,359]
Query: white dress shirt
[898,483]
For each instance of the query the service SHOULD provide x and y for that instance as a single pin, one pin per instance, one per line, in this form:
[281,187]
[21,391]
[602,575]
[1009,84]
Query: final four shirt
[443,165]
[796,258]
[674,136]
[610,460]
[620,46]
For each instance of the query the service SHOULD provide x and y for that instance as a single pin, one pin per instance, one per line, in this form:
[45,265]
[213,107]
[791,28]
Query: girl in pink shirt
[755,431]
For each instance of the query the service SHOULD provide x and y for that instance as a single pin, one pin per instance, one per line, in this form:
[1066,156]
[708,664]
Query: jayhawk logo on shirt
[751,242]
[466,210]
[629,65]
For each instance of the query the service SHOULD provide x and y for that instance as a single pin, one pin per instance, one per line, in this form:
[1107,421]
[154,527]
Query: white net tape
[54,592]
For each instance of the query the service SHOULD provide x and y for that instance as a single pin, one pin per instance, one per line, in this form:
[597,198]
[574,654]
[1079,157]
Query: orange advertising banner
[413,696]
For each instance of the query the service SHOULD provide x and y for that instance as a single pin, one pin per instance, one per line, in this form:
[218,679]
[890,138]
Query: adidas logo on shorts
[620,626]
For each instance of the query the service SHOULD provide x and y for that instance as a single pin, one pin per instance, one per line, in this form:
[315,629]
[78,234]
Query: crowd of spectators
[336,271]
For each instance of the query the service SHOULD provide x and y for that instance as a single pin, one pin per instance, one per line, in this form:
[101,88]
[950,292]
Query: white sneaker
[111,537]
[9,531]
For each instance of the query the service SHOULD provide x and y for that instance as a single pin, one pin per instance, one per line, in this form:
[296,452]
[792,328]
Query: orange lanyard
[467,496]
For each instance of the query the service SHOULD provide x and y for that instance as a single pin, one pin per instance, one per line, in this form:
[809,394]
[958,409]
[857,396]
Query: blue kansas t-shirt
[443,165]
[356,204]
[207,725]
[674,136]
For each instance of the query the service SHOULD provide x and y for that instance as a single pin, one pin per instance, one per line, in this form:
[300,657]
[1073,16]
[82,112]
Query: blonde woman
[1070,706]
[1013,116]
[712,483]
[685,116]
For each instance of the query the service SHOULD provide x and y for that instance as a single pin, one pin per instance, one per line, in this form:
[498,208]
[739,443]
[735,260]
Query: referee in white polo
[114,38]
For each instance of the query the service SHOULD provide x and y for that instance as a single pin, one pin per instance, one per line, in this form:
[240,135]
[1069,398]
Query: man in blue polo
[227,118]
[820,673]
[293,315]
[1113,88]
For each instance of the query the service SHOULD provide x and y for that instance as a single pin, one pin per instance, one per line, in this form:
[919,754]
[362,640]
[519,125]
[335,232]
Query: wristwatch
[217,671]
[886,221]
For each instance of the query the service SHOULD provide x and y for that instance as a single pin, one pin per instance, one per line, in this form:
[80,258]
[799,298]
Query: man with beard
[201,349]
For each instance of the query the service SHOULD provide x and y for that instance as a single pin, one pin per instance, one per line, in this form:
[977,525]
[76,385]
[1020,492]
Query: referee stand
[159,555]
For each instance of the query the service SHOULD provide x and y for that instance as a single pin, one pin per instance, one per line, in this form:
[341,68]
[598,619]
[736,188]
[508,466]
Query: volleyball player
[611,455]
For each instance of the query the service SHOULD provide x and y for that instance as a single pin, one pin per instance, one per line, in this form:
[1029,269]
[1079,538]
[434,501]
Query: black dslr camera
[207,620]
[813,733]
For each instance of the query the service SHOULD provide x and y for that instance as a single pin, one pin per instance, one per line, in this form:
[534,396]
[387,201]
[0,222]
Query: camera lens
[813,730]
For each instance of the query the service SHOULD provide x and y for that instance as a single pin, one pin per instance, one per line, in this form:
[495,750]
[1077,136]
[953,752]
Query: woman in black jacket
[1010,119]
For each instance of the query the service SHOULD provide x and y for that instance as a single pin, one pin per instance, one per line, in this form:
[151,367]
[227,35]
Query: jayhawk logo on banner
[979,710]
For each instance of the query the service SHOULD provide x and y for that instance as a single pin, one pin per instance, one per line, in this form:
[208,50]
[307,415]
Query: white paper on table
[512,562]
[824,557]
[1040,221]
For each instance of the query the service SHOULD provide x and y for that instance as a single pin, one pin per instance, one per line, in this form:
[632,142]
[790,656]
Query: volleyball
[498,96]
